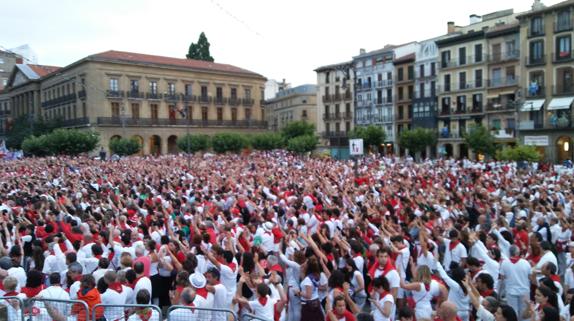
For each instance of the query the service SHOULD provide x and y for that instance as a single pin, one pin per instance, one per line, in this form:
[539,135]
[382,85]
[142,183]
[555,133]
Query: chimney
[537,5]
[450,27]
[362,51]
[475,18]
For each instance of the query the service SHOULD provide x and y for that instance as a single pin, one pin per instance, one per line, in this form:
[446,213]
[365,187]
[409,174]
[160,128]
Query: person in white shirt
[53,292]
[112,293]
[142,282]
[455,251]
[203,298]
[515,275]
[548,256]
[55,261]
[219,291]
[103,267]
[187,311]
[74,275]
[147,313]
[227,266]
[383,302]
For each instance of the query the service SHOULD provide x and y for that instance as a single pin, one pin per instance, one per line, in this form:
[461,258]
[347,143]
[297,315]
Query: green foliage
[520,153]
[124,146]
[24,127]
[371,135]
[61,142]
[267,141]
[193,143]
[480,141]
[227,142]
[416,140]
[298,128]
[200,50]
[302,144]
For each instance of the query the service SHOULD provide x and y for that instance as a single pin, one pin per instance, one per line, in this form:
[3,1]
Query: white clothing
[112,297]
[516,277]
[377,315]
[454,255]
[143,283]
[220,301]
[154,317]
[264,311]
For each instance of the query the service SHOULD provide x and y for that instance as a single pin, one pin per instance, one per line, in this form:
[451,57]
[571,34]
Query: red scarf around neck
[453,244]
[202,292]
[514,259]
[262,300]
[116,286]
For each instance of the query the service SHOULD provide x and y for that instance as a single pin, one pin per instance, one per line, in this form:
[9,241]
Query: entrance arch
[140,140]
[172,144]
[155,145]
[563,149]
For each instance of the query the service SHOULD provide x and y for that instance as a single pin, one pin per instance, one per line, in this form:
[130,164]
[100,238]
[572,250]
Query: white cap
[267,226]
[197,280]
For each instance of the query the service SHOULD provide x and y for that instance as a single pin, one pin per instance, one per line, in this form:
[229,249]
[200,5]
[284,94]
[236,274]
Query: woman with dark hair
[311,305]
[335,283]
[357,282]
[383,302]
[458,293]
[549,314]
[544,297]
[34,284]
[505,313]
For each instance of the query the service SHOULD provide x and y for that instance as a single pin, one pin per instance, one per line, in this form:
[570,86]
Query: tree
[480,141]
[298,128]
[267,141]
[228,142]
[371,135]
[193,143]
[200,50]
[302,144]
[36,146]
[416,140]
[124,146]
[23,127]
[521,153]
[61,142]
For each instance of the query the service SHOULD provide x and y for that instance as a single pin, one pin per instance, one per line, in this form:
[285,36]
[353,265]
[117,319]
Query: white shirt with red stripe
[263,307]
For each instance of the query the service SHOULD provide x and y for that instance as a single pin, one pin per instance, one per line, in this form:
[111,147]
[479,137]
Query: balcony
[188,98]
[59,101]
[347,115]
[114,94]
[77,122]
[247,102]
[506,133]
[536,92]
[142,122]
[135,95]
[532,61]
[171,97]
[334,134]
[564,56]
[205,99]
[563,26]
[536,32]
[498,107]
[504,57]
[153,96]
[234,101]
[363,86]
[220,101]
[467,61]
[450,135]
[502,82]
[332,116]
[327,98]
[529,125]
[563,90]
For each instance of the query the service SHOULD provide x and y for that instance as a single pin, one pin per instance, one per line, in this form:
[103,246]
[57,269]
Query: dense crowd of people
[285,237]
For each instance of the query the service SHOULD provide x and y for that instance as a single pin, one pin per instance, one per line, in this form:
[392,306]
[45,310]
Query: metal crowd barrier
[251,317]
[43,309]
[122,312]
[188,313]
[11,308]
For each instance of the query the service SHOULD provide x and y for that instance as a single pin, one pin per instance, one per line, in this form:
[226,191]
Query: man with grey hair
[74,275]
[189,313]
[3,275]
[515,275]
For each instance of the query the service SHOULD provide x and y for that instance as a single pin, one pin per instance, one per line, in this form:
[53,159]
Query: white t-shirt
[423,298]
[143,283]
[516,277]
[220,301]
[154,317]
[392,276]
[201,302]
[264,311]
[111,297]
[454,255]
[315,289]
[377,315]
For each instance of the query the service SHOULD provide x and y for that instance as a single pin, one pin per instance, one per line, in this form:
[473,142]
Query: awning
[532,105]
[560,103]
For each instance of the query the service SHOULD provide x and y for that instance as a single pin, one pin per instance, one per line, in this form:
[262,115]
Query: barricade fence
[122,312]
[187,313]
[44,309]
[11,308]
[252,317]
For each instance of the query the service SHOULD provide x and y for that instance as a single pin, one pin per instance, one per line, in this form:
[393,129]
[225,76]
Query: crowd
[282,237]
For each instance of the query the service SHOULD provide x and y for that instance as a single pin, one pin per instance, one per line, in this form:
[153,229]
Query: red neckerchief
[116,286]
[145,314]
[427,286]
[262,300]
[555,278]
[486,293]
[32,292]
[384,294]
[202,292]
[514,259]
[133,285]
[11,293]
[453,244]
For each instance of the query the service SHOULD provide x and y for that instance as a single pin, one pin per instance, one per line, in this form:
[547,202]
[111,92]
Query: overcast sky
[278,39]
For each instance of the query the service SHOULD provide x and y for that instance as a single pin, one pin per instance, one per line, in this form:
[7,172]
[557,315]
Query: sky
[278,39]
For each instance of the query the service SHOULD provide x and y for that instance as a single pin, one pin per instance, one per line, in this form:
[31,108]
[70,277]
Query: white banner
[536,140]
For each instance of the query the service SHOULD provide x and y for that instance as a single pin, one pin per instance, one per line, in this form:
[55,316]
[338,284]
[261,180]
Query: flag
[182,111]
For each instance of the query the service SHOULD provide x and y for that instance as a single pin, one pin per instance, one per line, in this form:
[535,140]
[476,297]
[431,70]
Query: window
[563,47]
[421,90]
[379,97]
[433,69]
[410,91]
[563,21]
[421,71]
[204,113]
[389,76]
[233,93]
[134,85]
[327,76]
[248,114]
[400,75]
[478,53]
[234,114]
[219,93]
[154,111]
[411,72]
[380,78]
[189,112]
[477,101]
[114,84]
[536,26]
[461,103]
[511,49]
[220,114]
[135,111]
[446,83]
[536,51]
[389,95]
[462,56]
[495,125]
[433,89]
[115,110]
[187,89]
[401,94]
[171,88]
[445,58]
[153,87]
[347,127]
[204,92]
[462,80]
[304,114]
[247,94]
[478,78]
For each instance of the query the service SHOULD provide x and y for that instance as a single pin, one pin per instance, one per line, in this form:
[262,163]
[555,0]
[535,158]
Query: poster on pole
[356,147]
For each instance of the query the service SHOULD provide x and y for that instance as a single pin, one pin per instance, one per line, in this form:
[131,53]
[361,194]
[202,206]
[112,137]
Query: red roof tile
[122,56]
[42,70]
